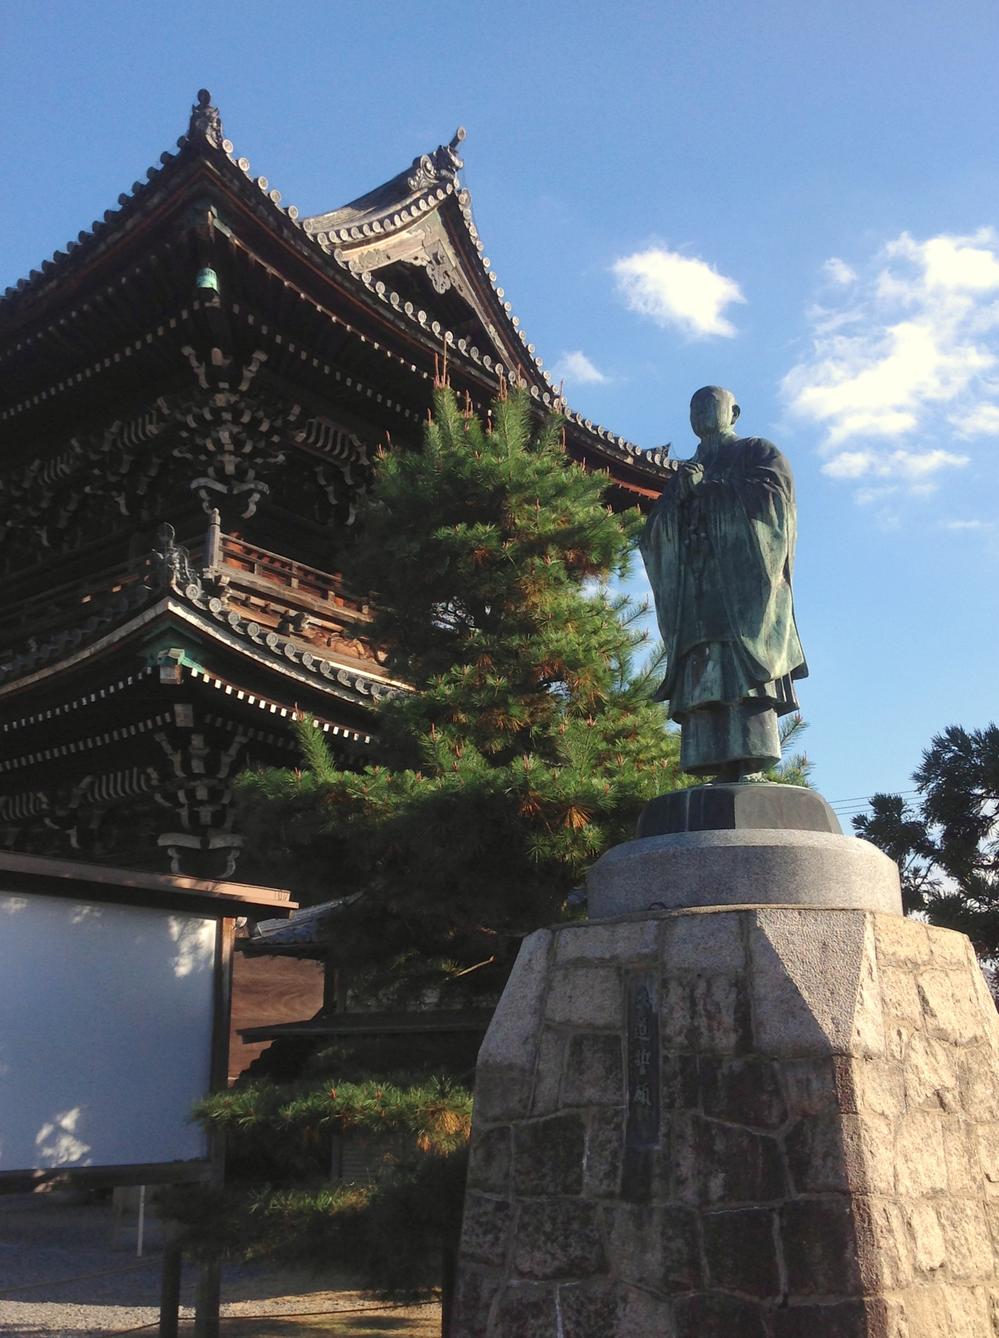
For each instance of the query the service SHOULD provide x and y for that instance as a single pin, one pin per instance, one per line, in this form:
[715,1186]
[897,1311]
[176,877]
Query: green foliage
[898,828]
[391,1235]
[796,768]
[434,1116]
[529,744]
[389,1232]
[947,846]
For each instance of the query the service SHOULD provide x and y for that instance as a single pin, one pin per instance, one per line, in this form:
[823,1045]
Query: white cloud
[677,290]
[967,525]
[952,264]
[980,420]
[916,465]
[838,271]
[867,496]
[576,367]
[902,466]
[907,356]
[849,465]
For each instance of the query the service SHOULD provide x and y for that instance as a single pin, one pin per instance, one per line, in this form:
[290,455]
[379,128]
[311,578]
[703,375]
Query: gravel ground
[67,1270]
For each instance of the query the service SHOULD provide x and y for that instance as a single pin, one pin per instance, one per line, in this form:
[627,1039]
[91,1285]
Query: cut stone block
[742,868]
[796,1136]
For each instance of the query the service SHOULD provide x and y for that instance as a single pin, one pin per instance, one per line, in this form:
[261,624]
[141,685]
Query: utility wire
[845,808]
[79,1277]
[866,798]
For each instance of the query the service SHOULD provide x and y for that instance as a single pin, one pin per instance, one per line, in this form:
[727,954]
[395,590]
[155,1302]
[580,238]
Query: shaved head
[713,411]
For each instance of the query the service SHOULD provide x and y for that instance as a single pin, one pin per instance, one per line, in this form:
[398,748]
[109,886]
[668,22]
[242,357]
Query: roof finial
[441,165]
[206,121]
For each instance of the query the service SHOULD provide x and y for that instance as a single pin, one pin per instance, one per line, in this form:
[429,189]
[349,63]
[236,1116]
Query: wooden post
[222,1007]
[170,1288]
[208,1299]
[330,974]
[334,988]
[213,542]
[449,1267]
[209,1288]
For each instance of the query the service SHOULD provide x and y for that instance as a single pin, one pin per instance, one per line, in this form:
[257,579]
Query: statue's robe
[719,561]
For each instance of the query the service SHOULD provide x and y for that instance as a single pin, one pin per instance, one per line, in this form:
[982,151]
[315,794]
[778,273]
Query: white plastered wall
[105,1032]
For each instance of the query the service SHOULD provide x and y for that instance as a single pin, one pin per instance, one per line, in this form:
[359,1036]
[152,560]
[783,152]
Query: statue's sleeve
[660,550]
[767,495]
[753,526]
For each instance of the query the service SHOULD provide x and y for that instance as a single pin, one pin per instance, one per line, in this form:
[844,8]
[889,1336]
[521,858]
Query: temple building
[192,394]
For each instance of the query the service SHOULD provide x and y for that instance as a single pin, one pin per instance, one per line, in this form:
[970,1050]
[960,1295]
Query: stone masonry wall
[762,1123]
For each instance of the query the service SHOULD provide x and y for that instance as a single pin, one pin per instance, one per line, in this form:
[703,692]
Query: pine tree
[528,744]
[947,846]
[525,745]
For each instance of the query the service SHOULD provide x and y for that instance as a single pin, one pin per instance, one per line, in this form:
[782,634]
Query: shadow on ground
[68,1270]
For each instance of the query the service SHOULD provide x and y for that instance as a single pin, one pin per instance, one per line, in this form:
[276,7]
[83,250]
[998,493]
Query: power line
[861,807]
[866,798]
[78,1277]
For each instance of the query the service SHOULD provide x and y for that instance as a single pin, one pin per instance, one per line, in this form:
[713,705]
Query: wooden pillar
[222,1005]
[334,988]
[330,974]
[170,1288]
[449,1267]
[213,543]
[209,1287]
[208,1299]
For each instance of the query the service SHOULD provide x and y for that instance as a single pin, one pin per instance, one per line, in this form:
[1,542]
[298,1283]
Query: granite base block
[741,867]
[780,1121]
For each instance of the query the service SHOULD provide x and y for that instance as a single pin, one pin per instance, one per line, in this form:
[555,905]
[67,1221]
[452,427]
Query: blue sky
[799,201]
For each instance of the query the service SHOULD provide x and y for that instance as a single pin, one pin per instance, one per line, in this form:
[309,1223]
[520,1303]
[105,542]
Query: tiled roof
[428,185]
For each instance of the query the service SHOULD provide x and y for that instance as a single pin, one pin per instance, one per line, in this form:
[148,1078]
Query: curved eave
[74,263]
[153,198]
[343,682]
[291,660]
[454,203]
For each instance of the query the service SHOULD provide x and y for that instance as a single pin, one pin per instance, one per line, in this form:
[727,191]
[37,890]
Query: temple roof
[312,642]
[383,205]
[408,252]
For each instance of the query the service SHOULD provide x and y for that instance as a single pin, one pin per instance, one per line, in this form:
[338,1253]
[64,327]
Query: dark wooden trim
[259,947]
[376,1024]
[140,1173]
[208,1293]
[39,875]
[222,1004]
[170,1281]
[208,1299]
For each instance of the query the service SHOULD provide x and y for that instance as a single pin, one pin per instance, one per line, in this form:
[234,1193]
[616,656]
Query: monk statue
[719,548]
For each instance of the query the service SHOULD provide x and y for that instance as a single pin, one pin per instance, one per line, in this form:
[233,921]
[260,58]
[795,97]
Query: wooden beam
[140,1173]
[376,1024]
[98,882]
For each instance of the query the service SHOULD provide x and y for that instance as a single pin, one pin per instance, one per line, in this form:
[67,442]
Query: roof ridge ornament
[206,120]
[441,165]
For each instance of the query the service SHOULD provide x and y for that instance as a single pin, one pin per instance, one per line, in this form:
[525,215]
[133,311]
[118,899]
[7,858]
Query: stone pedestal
[726,806]
[743,868]
[770,1121]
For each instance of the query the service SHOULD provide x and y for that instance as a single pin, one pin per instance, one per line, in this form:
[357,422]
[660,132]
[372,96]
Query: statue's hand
[690,475]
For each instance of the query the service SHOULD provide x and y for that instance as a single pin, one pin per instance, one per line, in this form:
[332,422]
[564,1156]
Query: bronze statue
[719,549]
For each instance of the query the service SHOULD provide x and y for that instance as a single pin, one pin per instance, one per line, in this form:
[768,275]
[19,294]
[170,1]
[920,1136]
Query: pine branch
[314,748]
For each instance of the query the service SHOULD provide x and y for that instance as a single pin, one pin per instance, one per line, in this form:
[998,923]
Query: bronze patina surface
[719,551]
